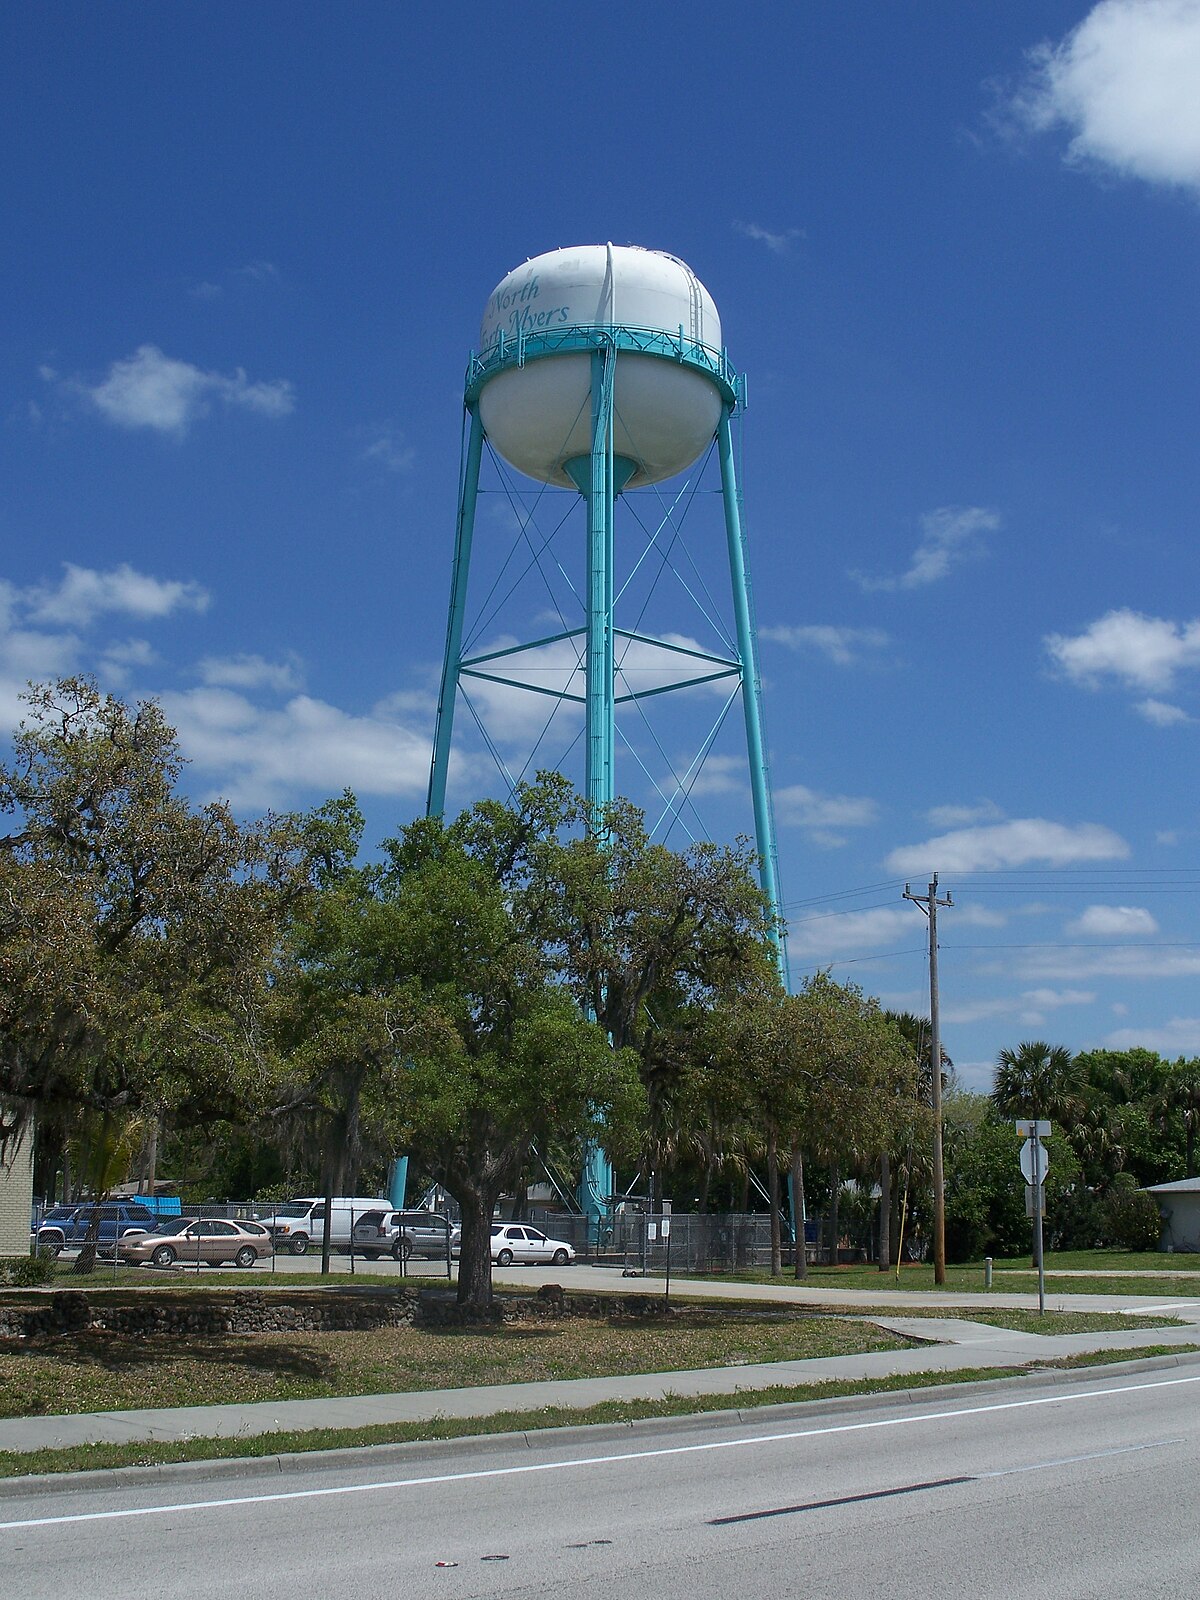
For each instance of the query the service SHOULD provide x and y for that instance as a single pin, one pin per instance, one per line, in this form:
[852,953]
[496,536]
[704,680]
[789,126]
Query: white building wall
[16,1196]
[1181,1220]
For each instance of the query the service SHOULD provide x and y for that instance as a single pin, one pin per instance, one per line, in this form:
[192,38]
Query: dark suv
[68,1225]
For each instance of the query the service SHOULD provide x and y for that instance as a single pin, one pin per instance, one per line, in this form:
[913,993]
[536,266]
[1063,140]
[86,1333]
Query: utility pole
[929,904]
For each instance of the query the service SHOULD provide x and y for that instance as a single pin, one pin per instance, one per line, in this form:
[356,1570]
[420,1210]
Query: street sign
[1027,1162]
[1033,1130]
[1031,1205]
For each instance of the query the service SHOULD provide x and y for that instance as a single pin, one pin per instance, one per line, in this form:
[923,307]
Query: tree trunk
[705,1184]
[885,1213]
[798,1209]
[475,1250]
[85,1261]
[835,1191]
[149,1165]
[773,1193]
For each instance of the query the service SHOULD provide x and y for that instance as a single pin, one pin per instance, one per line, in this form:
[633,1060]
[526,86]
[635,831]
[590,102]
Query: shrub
[1132,1219]
[27,1272]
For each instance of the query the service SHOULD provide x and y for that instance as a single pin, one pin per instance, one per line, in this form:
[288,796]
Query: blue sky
[954,248]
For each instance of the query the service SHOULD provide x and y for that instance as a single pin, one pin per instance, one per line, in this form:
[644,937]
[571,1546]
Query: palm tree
[1037,1080]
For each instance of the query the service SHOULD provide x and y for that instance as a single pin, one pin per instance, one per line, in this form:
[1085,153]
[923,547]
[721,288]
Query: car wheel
[299,1245]
[163,1256]
[561,1258]
[401,1250]
[246,1256]
[504,1258]
[50,1247]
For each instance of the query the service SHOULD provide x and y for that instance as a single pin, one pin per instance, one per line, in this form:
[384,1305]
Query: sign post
[1035,1163]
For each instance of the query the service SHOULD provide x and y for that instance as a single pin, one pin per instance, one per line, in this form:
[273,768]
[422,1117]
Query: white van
[301,1223]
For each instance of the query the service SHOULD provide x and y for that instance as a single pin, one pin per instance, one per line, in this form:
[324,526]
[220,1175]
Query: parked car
[405,1233]
[208,1239]
[512,1241]
[69,1225]
[301,1223]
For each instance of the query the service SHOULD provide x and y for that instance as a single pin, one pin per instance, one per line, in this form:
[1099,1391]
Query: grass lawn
[98,1371]
[919,1276]
[151,1453]
[1105,1261]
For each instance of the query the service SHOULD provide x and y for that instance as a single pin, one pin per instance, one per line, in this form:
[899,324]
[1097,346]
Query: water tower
[601,371]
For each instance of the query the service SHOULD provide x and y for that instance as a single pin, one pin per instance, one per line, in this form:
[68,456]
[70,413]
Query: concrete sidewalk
[951,1345]
[786,1291]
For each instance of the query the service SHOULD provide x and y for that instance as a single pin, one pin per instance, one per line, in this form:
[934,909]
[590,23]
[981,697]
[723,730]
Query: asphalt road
[1080,1486]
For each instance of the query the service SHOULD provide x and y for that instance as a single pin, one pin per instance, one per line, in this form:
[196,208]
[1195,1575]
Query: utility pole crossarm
[929,904]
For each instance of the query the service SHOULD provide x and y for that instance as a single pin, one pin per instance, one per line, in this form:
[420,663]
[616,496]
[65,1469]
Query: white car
[516,1241]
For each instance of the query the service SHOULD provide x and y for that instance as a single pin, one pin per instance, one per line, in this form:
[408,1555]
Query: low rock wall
[208,1313]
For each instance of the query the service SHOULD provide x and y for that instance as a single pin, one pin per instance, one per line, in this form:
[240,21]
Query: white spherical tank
[538,416]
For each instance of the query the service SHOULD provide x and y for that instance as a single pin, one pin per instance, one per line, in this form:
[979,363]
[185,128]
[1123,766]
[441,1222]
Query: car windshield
[296,1209]
[173,1225]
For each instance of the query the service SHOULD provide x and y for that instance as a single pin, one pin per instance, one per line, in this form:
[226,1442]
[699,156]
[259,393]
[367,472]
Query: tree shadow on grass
[123,1353]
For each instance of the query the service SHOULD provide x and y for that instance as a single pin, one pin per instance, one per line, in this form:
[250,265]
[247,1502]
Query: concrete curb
[368,1456]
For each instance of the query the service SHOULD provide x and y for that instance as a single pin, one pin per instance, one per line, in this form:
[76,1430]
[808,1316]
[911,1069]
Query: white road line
[593,1461]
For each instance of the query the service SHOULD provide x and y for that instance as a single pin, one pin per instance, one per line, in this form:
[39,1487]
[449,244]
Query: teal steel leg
[747,638]
[596,1184]
[397,1182]
[468,490]
[601,716]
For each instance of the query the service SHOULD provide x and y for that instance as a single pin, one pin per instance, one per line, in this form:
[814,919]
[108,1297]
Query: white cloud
[824,937]
[778,243]
[82,594]
[1139,651]
[963,816]
[262,757]
[949,536]
[803,807]
[718,775]
[1045,963]
[1161,714]
[251,672]
[1113,922]
[386,448]
[1123,83]
[975,916]
[1178,1037]
[205,291]
[1009,844]
[843,646]
[122,657]
[1029,1007]
[151,390]
[260,272]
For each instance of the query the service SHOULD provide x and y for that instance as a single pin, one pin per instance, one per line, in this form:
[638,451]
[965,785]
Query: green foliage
[985,1191]
[1132,1219]
[27,1272]
[1037,1080]
[135,929]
